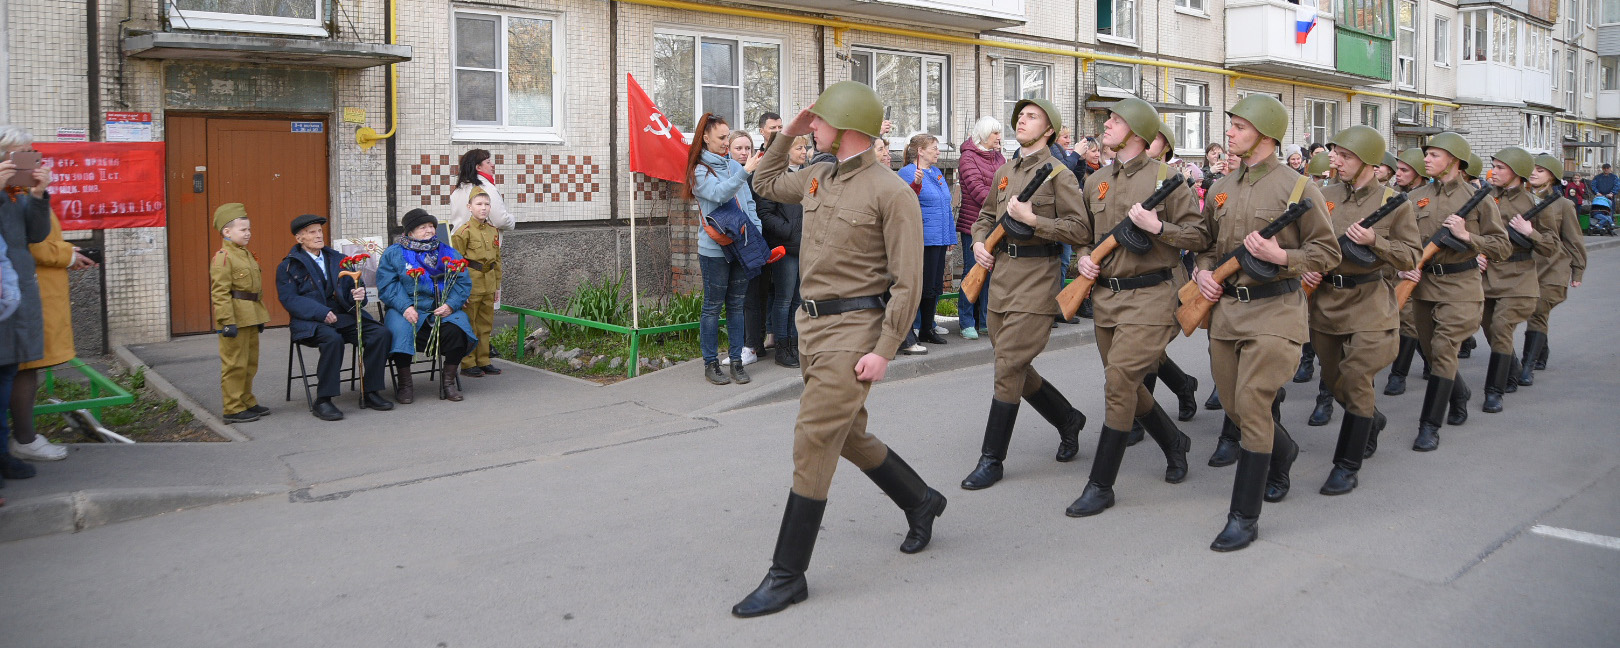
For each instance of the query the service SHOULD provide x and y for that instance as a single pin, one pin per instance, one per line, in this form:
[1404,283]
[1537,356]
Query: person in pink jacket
[975,170]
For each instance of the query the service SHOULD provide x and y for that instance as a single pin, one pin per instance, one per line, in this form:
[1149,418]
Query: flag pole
[635,292]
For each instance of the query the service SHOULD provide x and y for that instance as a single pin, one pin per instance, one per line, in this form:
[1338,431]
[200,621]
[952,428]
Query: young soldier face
[1541,177]
[239,231]
[1115,131]
[1242,135]
[1436,162]
[1501,175]
[1032,125]
[1345,164]
[826,135]
[479,207]
[1383,173]
[1405,175]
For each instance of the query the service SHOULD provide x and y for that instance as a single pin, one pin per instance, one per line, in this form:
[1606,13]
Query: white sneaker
[940,330]
[748,357]
[39,450]
[915,349]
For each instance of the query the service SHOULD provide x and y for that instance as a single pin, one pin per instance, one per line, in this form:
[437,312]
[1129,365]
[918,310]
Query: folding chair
[296,350]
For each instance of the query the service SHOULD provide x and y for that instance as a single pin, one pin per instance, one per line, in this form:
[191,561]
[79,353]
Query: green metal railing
[633,367]
[116,395]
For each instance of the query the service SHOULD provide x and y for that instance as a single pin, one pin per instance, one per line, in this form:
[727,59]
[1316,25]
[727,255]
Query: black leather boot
[1541,356]
[404,386]
[1514,369]
[1496,378]
[1379,421]
[1226,447]
[449,388]
[1396,385]
[997,435]
[1283,453]
[1138,433]
[1248,487]
[1354,433]
[1307,366]
[787,353]
[784,584]
[1433,414]
[909,492]
[1099,493]
[1214,400]
[1324,406]
[1460,395]
[1533,343]
[1185,388]
[1171,440]
[1056,410]
[1466,351]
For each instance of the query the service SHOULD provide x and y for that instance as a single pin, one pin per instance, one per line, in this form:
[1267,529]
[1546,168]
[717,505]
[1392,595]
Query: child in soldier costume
[479,243]
[1409,175]
[1557,272]
[236,286]
[1024,286]
[860,274]
[1511,285]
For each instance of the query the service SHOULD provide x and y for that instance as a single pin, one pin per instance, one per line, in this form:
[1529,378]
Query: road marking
[1607,542]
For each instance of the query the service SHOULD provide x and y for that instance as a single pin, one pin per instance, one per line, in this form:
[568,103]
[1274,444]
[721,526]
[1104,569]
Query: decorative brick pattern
[539,178]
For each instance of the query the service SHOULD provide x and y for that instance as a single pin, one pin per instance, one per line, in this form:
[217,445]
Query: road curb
[158,382]
[87,509]
[1606,242]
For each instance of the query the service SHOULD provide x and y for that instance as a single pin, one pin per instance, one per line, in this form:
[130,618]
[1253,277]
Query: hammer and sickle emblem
[662,124]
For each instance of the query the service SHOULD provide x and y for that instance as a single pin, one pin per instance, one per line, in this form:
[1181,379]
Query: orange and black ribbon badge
[1102,191]
[1421,203]
[1003,185]
[814,185]
[1220,200]
[1331,205]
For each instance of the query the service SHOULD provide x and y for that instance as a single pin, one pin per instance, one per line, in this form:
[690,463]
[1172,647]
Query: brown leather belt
[478,266]
[245,295]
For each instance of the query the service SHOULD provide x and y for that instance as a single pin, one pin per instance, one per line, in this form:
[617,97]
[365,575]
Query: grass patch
[946,307]
[151,418]
[607,302]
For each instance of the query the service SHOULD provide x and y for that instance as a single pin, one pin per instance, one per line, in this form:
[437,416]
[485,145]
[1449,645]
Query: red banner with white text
[106,185]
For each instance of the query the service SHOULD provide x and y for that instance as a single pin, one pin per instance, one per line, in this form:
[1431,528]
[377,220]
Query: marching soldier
[1256,328]
[1134,299]
[1023,289]
[1557,272]
[1185,387]
[1354,321]
[1449,297]
[861,268]
[1409,175]
[1511,284]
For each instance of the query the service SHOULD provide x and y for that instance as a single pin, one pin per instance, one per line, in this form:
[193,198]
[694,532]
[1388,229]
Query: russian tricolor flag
[1304,21]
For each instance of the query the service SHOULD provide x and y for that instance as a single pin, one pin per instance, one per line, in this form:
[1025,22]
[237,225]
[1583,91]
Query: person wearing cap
[860,276]
[1556,272]
[1024,286]
[479,242]
[323,310]
[416,304]
[1449,298]
[1354,322]
[1511,283]
[239,313]
[1409,175]
[1256,327]
[1134,297]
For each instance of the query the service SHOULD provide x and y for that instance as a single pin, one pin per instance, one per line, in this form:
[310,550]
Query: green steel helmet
[1141,117]
[1389,160]
[1517,159]
[1319,164]
[1169,141]
[1552,165]
[1053,117]
[1266,113]
[850,105]
[1476,167]
[1455,145]
[1361,141]
[1413,157]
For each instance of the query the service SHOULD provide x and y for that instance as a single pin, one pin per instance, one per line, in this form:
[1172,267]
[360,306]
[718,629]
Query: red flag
[656,146]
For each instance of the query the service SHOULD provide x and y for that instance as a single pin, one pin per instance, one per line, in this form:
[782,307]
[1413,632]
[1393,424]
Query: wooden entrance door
[262,163]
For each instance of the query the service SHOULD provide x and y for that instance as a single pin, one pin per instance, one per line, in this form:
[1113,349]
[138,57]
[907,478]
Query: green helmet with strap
[1413,157]
[1455,145]
[1476,167]
[1319,164]
[1361,141]
[850,105]
[1141,117]
[1169,141]
[1517,159]
[1389,160]
[1553,165]
[1266,114]
[1053,117]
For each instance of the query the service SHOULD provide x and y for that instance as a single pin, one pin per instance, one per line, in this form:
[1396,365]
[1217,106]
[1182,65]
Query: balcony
[1608,104]
[963,15]
[1260,40]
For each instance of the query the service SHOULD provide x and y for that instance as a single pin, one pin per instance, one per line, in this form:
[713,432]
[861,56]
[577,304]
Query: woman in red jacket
[976,169]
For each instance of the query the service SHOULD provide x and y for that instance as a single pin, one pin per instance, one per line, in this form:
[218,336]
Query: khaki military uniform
[862,237]
[1254,346]
[480,244]
[236,288]
[1510,283]
[1566,265]
[1354,327]
[1408,323]
[1023,289]
[1134,326]
[1447,307]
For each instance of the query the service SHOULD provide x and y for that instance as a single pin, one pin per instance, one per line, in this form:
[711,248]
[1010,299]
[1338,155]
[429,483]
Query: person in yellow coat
[53,258]
[479,243]
[236,286]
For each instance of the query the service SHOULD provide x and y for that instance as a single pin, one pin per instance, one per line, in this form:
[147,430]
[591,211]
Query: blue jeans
[971,315]
[786,302]
[724,284]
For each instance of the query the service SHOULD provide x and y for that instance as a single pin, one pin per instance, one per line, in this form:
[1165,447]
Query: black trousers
[453,343]
[933,285]
[755,304]
[331,339]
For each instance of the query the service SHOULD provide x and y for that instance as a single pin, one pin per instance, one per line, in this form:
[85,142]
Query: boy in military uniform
[1409,175]
[480,244]
[860,272]
[1134,298]
[235,286]
[1354,322]
[1024,286]
[1256,327]
[1511,285]
[1557,272]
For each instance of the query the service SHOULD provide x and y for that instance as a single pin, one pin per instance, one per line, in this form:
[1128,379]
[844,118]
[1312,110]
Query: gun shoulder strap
[1299,189]
[1388,193]
[1164,172]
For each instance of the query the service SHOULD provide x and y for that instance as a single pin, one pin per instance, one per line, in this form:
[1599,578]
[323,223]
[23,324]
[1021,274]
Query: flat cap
[306,220]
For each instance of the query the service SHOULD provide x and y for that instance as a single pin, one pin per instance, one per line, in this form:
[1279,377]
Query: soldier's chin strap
[1244,156]
[1049,133]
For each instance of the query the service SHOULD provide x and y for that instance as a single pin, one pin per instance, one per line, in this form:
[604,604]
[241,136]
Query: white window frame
[1570,80]
[552,134]
[897,141]
[1193,7]
[1320,132]
[1007,103]
[1112,91]
[1406,66]
[1374,110]
[1572,21]
[1440,119]
[1588,77]
[252,23]
[1591,13]
[743,40]
[1401,109]
[1136,24]
[1442,41]
[1609,73]
[1185,123]
[1557,61]
[1471,35]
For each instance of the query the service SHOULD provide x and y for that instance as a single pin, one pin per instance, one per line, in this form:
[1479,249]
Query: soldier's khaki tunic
[479,242]
[1566,265]
[1354,329]
[1447,308]
[1023,290]
[1134,326]
[1408,324]
[862,237]
[234,271]
[1510,283]
[1254,346]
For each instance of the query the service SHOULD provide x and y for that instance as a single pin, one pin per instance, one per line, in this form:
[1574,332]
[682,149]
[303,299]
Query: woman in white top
[478,170]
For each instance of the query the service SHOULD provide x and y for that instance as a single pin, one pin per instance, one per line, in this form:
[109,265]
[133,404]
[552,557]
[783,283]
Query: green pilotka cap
[227,213]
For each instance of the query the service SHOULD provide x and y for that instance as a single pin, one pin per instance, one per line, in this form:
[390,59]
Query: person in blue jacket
[714,179]
[410,320]
[939,226]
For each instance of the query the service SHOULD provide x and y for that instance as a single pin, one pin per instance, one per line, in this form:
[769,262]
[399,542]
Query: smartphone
[93,254]
[26,162]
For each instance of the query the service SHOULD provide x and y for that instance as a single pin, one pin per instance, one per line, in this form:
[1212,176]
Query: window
[1115,80]
[1474,41]
[1572,20]
[1023,81]
[1591,13]
[1442,41]
[508,82]
[1369,115]
[1188,127]
[913,87]
[1195,5]
[1569,80]
[1556,59]
[1505,35]
[1586,79]
[1371,17]
[290,17]
[738,79]
[1406,112]
[1406,44]
[1322,118]
[1610,67]
[1117,19]
[1537,47]
[1611,12]
[1442,120]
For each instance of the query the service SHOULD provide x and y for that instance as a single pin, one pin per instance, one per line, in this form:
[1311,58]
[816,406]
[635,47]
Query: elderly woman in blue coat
[410,320]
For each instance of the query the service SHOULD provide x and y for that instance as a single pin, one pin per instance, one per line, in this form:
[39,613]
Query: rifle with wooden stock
[1195,310]
[1441,238]
[1356,252]
[973,283]
[1125,233]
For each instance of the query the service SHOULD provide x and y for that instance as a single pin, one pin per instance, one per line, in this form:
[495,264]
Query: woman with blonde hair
[934,194]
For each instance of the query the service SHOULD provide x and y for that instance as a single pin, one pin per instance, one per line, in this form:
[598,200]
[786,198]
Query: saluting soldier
[1354,322]
[1511,284]
[1256,328]
[1449,297]
[1409,175]
[1134,299]
[1024,287]
[1557,272]
[860,271]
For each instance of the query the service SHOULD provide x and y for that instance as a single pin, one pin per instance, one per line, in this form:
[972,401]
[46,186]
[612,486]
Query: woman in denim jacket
[715,179]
